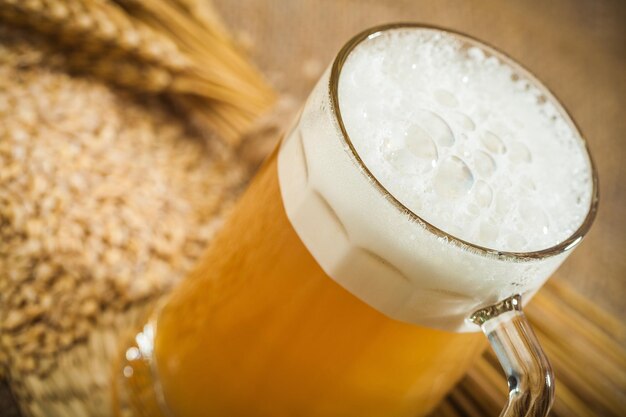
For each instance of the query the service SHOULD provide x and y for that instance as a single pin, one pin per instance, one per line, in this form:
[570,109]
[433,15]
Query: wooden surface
[578,48]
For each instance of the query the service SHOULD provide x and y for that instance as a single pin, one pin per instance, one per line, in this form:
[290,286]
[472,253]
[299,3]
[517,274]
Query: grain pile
[174,47]
[106,200]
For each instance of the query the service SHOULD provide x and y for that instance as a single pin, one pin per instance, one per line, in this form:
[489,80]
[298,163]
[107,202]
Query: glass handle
[529,374]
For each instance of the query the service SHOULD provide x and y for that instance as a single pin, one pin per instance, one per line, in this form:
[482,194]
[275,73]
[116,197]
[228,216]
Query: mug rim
[566,245]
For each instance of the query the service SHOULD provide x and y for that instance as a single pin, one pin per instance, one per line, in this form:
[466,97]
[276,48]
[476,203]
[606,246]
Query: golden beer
[325,295]
[260,330]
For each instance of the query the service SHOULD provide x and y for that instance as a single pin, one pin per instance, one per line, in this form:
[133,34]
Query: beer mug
[428,185]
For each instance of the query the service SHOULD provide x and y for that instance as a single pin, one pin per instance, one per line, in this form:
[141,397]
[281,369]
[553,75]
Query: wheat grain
[204,13]
[104,202]
[160,47]
[204,40]
[94,26]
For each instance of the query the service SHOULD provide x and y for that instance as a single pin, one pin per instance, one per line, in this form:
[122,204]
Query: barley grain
[156,47]
[101,196]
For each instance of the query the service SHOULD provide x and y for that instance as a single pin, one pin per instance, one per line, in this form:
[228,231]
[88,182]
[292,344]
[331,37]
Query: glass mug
[295,310]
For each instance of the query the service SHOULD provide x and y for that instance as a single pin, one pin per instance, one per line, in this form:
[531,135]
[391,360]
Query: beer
[261,330]
[411,191]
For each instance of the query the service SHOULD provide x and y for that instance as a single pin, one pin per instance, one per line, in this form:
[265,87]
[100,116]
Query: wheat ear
[99,37]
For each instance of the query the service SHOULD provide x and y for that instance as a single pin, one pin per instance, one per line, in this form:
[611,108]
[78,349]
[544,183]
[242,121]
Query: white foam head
[465,140]
[435,128]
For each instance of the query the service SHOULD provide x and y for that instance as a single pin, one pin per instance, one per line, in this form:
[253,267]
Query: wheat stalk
[199,34]
[203,12]
[93,26]
[161,49]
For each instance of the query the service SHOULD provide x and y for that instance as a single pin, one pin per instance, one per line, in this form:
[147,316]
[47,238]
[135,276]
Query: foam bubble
[464,121]
[492,143]
[454,179]
[485,165]
[404,162]
[483,194]
[436,126]
[421,144]
[468,143]
[446,98]
[504,203]
[519,153]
